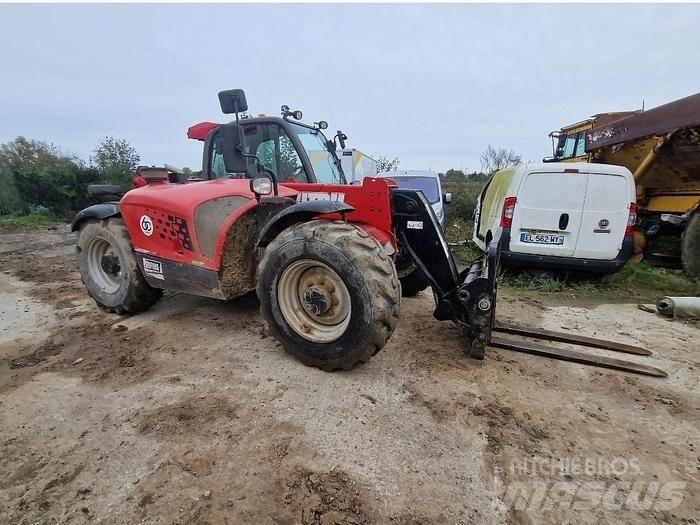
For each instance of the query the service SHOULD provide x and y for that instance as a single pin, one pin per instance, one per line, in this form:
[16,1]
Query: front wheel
[329,293]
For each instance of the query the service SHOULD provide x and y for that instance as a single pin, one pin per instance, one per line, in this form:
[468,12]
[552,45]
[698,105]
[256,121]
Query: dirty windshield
[324,163]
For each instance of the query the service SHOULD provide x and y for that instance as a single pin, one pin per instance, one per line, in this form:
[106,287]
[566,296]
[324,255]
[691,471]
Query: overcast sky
[432,85]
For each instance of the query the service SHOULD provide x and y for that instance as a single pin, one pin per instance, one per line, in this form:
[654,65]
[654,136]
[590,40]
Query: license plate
[541,238]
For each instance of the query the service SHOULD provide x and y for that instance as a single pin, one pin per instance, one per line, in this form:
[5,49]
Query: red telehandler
[272,213]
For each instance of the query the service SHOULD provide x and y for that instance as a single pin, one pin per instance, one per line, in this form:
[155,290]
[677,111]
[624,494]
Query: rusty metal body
[661,147]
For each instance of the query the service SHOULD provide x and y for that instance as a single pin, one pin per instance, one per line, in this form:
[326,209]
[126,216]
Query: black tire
[121,288]
[690,245]
[412,278]
[413,283]
[369,285]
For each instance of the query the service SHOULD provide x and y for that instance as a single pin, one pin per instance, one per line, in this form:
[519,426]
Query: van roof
[408,173]
[583,166]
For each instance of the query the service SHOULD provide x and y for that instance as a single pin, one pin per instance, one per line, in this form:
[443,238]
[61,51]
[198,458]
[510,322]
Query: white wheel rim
[314,300]
[101,257]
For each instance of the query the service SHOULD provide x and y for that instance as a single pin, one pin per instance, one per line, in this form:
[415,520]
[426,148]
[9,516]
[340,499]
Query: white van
[356,165]
[426,181]
[560,215]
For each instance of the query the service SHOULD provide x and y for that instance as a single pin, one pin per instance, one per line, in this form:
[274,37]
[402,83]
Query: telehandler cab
[272,213]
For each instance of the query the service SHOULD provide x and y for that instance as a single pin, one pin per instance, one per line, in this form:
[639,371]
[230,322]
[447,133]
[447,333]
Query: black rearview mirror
[233,147]
[233,101]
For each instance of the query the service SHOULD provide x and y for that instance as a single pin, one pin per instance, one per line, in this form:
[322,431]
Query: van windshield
[428,185]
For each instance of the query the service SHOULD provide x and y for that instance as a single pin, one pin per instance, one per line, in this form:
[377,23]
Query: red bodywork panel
[201,130]
[160,217]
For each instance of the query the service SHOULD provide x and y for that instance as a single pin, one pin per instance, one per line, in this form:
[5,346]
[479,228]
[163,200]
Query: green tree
[41,174]
[10,201]
[384,164]
[116,160]
[465,188]
[478,177]
[453,175]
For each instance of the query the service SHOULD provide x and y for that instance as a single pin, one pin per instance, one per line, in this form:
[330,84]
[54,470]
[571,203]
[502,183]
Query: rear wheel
[690,245]
[109,270]
[329,293]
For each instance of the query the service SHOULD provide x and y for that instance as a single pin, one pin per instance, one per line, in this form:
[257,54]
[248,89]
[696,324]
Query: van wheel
[109,270]
[329,294]
[412,278]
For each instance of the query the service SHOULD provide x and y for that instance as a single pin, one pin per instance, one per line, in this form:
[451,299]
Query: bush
[10,201]
[464,195]
[34,173]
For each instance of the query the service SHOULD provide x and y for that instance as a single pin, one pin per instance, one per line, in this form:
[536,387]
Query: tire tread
[379,272]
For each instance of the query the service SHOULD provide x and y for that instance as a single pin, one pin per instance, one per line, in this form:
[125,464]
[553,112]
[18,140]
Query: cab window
[325,165]
[573,145]
[274,150]
[569,146]
[581,144]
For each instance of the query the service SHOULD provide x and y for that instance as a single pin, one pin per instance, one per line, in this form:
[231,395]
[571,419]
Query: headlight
[261,186]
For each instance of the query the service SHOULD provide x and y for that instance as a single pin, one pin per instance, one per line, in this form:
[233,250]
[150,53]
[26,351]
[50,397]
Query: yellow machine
[661,147]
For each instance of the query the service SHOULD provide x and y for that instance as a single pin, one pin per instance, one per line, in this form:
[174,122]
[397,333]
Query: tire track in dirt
[191,412]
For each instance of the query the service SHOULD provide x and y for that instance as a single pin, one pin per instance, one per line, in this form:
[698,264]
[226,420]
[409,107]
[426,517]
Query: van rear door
[548,212]
[605,214]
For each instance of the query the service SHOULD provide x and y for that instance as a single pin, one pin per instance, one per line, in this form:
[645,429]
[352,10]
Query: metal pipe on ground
[679,307]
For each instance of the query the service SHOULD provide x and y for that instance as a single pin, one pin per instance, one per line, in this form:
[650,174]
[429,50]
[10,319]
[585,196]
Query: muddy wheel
[412,278]
[329,293]
[109,270]
[690,245]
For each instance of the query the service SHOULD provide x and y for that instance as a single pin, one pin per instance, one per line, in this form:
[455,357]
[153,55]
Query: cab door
[548,212]
[272,146]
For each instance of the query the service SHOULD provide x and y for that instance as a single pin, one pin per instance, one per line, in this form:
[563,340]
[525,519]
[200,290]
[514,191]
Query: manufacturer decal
[602,226]
[146,225]
[178,232]
[320,196]
[153,268]
[414,225]
[143,250]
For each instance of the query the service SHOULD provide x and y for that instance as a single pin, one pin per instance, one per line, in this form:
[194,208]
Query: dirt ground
[192,413]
